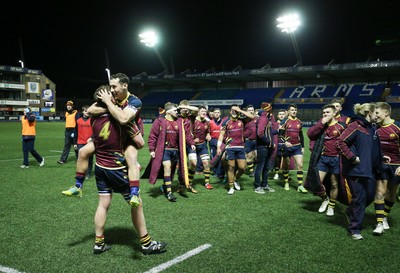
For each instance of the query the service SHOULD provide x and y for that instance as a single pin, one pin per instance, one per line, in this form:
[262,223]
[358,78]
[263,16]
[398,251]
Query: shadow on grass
[155,191]
[116,236]
[311,205]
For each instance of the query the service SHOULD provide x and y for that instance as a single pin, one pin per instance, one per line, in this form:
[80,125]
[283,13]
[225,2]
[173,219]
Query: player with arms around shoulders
[109,139]
[124,107]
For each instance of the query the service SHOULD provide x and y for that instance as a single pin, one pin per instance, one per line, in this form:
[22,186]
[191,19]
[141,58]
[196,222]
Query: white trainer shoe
[357,236]
[324,205]
[268,189]
[42,163]
[276,176]
[385,223]
[286,186]
[378,229]
[237,186]
[259,190]
[330,212]
[231,191]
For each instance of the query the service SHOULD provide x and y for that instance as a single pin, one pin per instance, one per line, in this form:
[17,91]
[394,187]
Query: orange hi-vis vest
[28,128]
[70,121]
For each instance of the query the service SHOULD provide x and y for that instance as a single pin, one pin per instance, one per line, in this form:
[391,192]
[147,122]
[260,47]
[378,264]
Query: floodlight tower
[150,39]
[289,23]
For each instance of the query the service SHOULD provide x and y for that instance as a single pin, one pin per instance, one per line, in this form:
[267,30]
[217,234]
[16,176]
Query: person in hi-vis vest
[71,117]
[28,121]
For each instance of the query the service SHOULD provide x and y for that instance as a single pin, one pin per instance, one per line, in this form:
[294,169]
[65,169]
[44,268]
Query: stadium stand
[256,96]
[216,94]
[308,86]
[161,97]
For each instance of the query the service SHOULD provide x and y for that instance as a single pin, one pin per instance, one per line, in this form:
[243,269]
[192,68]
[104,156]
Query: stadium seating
[309,99]
[161,97]
[256,96]
[216,94]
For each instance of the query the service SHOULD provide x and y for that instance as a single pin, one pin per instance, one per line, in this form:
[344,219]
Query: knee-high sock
[145,240]
[332,203]
[134,185]
[388,207]
[300,177]
[206,176]
[250,166]
[285,176]
[379,210]
[167,184]
[79,179]
[191,175]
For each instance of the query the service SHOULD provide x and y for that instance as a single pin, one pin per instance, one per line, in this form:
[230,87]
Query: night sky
[67,40]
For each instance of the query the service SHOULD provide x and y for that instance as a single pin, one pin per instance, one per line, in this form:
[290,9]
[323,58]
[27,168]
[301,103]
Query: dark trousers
[261,174]
[362,191]
[68,142]
[28,146]
[218,171]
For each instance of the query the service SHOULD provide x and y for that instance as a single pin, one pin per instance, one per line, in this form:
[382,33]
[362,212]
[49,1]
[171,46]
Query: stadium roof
[367,72]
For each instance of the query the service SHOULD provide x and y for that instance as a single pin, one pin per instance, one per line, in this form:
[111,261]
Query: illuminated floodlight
[22,63]
[149,38]
[288,23]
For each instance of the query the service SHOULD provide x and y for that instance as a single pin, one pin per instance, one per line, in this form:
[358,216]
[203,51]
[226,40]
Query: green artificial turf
[42,231]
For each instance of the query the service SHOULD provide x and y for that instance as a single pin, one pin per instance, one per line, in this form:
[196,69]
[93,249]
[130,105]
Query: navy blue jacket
[360,140]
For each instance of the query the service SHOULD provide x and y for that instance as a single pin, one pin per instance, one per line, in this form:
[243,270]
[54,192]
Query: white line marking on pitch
[179,259]
[8,270]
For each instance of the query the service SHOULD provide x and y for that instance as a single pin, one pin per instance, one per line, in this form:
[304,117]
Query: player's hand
[75,147]
[193,147]
[105,96]
[218,151]
[235,108]
[153,154]
[324,120]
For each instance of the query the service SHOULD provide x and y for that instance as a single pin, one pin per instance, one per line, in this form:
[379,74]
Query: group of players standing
[177,141]
[244,139]
[358,159]
[354,160]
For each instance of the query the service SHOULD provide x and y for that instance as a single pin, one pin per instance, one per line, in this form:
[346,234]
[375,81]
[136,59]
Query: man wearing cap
[71,116]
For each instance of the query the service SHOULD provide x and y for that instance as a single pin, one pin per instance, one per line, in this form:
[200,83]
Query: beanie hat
[266,106]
